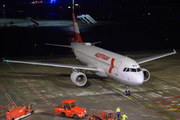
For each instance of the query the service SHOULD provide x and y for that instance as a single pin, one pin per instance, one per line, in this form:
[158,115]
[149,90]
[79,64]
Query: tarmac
[45,87]
[42,23]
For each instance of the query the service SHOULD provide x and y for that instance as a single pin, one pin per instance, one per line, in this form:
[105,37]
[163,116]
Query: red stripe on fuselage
[112,65]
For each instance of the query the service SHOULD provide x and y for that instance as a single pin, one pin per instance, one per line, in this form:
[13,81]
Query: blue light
[143,15]
[110,14]
[52,1]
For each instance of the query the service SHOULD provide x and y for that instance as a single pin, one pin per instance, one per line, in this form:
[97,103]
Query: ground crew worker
[124,116]
[118,111]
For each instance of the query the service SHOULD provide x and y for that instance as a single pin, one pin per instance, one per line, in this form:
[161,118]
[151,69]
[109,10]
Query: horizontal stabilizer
[96,42]
[59,45]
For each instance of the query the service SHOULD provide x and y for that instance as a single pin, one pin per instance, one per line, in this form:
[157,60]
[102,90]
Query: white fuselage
[109,64]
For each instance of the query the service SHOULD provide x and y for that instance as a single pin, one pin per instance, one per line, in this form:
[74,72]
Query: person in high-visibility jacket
[118,111]
[124,116]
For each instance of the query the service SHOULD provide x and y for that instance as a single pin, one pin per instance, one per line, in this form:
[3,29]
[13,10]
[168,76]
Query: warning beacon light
[52,1]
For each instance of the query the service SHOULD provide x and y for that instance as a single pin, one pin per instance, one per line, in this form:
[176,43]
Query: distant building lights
[149,13]
[76,4]
[69,6]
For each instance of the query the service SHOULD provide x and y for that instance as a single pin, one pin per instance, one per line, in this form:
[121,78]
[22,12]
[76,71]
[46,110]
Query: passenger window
[127,70]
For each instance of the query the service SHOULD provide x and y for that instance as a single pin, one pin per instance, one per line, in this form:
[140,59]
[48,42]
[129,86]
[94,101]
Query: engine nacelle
[78,78]
[146,74]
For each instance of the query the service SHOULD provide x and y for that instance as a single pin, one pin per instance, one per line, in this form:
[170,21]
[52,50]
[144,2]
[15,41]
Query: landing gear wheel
[129,93]
[75,116]
[63,115]
[126,93]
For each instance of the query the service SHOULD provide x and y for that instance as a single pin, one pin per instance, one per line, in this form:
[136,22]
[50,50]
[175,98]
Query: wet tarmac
[157,98]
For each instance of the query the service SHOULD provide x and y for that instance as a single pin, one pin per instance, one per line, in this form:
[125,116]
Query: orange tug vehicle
[69,108]
[102,115]
[19,112]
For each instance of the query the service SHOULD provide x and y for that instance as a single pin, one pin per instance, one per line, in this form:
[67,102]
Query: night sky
[147,24]
[100,9]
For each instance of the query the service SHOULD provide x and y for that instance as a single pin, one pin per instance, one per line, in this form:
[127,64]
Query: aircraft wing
[55,65]
[143,60]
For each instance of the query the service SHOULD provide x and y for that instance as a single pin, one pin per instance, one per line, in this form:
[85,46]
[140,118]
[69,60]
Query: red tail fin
[77,36]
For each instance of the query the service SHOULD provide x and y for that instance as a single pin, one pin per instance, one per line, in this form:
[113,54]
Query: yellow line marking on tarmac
[133,98]
[127,96]
[166,107]
[2,114]
[168,117]
[168,111]
[149,106]
[106,84]
[119,90]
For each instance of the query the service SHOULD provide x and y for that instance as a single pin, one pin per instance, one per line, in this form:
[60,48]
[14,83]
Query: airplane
[102,62]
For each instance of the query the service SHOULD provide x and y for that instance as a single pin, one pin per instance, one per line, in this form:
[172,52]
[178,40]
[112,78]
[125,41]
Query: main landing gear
[127,92]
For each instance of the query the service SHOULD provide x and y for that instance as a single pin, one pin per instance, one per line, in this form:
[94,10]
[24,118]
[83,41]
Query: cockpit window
[138,69]
[131,69]
[124,69]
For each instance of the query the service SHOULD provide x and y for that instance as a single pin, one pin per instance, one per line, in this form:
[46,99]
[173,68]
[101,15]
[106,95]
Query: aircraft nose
[140,79]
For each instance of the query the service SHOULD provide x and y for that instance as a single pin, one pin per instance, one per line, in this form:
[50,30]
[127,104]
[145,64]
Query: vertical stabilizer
[77,36]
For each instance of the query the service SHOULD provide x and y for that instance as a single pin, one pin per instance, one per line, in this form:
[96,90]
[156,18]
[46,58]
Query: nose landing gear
[127,92]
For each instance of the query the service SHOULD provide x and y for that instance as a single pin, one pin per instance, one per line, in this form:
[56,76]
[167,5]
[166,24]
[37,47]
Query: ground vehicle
[69,108]
[102,115]
[19,112]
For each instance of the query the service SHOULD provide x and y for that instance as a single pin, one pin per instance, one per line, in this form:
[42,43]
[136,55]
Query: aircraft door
[117,67]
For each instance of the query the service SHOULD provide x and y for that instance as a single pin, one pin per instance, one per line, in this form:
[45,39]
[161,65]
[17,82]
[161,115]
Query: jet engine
[78,78]
[146,74]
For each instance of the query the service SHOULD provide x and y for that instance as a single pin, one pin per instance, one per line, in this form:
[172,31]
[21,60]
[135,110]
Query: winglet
[174,51]
[4,60]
